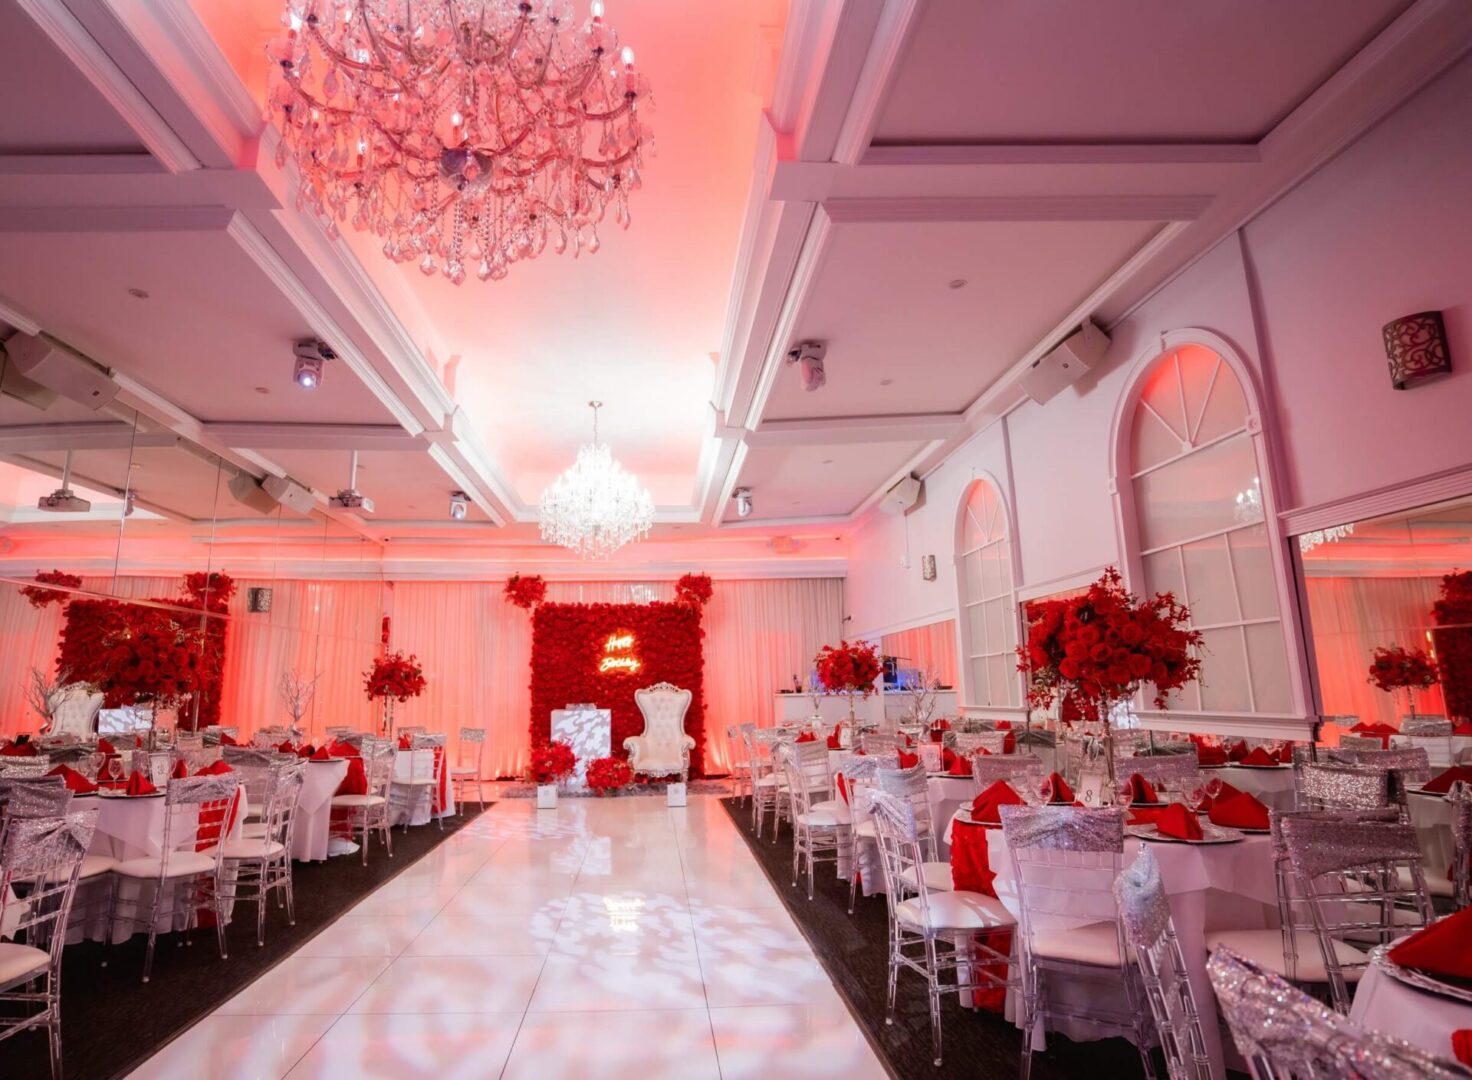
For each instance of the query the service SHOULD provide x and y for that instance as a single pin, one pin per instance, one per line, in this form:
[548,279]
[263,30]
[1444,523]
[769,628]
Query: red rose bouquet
[1394,668]
[394,676]
[694,589]
[552,762]
[217,586]
[1102,647]
[848,668]
[526,592]
[607,774]
[41,597]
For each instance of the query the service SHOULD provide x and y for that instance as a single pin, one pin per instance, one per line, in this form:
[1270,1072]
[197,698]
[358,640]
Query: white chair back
[74,711]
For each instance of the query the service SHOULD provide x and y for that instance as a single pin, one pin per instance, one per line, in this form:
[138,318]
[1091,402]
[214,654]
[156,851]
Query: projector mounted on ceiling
[62,501]
[350,498]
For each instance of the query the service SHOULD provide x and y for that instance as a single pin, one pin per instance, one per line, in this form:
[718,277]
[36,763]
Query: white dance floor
[611,938]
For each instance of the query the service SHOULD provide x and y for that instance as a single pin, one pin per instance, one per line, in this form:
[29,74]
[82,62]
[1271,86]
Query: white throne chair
[74,711]
[664,748]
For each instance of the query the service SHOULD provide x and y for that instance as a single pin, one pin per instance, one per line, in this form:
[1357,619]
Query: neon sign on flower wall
[619,654]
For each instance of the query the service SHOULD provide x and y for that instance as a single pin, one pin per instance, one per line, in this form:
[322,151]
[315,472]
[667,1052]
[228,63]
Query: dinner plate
[1244,765]
[1420,980]
[125,795]
[1148,805]
[1211,834]
[964,817]
[1427,794]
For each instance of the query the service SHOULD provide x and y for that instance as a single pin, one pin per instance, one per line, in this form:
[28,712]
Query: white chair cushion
[180,864]
[93,865]
[257,847]
[956,911]
[766,781]
[357,800]
[1265,948]
[1096,943]
[253,830]
[463,770]
[935,875]
[1437,884]
[831,805]
[825,819]
[17,961]
[866,828]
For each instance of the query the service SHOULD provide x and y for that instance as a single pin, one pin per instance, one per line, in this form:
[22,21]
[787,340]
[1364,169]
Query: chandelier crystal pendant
[595,507]
[459,131]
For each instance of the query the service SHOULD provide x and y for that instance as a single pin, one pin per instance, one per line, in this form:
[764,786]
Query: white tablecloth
[1210,887]
[1432,818]
[313,826]
[408,805]
[1386,1004]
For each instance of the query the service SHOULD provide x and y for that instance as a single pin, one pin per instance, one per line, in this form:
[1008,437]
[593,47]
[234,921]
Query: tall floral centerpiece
[393,677]
[1395,668]
[1102,647]
[848,668]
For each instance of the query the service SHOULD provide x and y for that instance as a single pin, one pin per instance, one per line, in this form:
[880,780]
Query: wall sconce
[1416,347]
[927,567]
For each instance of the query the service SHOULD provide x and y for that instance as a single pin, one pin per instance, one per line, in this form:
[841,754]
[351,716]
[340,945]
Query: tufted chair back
[664,748]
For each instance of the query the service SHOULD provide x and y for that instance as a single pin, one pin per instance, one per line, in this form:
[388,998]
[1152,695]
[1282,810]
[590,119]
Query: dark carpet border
[107,1012]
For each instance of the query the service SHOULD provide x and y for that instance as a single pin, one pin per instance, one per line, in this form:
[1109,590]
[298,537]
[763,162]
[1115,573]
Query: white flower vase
[546,796]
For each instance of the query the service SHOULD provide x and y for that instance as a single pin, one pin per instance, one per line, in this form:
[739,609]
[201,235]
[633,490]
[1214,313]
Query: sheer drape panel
[758,634]
[28,639]
[929,648]
[1350,617]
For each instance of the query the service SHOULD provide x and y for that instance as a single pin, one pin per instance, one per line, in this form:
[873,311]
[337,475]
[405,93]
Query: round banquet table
[134,829]
[1384,1003]
[1271,787]
[1208,886]
[313,826]
[406,806]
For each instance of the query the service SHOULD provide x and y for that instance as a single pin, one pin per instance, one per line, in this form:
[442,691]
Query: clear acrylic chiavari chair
[816,824]
[40,859]
[369,812]
[1460,797]
[467,773]
[740,764]
[1286,1035]
[1152,937]
[262,865]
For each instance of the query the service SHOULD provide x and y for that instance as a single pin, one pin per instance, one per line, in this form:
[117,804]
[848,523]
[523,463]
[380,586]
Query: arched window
[1201,532]
[988,602]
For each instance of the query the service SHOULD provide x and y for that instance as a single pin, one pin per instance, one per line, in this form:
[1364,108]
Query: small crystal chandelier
[459,130]
[1310,540]
[595,507]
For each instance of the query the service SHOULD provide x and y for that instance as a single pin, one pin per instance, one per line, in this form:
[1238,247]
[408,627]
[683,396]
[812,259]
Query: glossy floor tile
[613,937]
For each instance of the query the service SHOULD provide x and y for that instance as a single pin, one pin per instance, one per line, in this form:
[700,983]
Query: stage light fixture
[311,359]
[459,505]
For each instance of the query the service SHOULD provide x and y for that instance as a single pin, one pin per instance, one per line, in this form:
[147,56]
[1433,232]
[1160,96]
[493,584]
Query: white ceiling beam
[830,431]
[80,219]
[953,155]
[102,435]
[18,318]
[117,89]
[1019,208]
[312,436]
[125,163]
[896,24]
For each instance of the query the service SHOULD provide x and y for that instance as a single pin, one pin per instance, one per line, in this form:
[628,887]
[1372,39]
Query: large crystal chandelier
[595,507]
[462,132]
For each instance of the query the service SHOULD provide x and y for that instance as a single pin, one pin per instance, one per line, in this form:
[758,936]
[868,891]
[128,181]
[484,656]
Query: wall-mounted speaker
[1066,364]
[246,490]
[290,494]
[901,497]
[53,365]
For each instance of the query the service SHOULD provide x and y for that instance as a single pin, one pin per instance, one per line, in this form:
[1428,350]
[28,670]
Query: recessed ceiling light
[263,389]
[138,294]
[885,382]
[957,283]
[827,461]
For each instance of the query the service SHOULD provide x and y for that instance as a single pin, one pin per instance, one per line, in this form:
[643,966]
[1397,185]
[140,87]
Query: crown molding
[1018,208]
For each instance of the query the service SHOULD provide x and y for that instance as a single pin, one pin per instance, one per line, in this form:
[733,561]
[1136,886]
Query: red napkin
[806,736]
[835,742]
[407,743]
[1141,791]
[1056,790]
[226,740]
[180,771]
[24,749]
[1363,728]
[1003,725]
[908,761]
[960,766]
[1464,728]
[1210,755]
[356,781]
[842,788]
[938,730]
[323,753]
[1240,811]
[1462,1045]
[909,741]
[1238,750]
[306,750]
[1009,744]
[1217,791]
[138,785]
[76,783]
[214,768]
[1443,948]
[1259,756]
[342,749]
[1443,783]
[1175,820]
[105,747]
[286,747]
[985,807]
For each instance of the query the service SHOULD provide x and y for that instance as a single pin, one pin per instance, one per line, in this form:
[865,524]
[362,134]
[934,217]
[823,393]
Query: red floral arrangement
[217,586]
[694,589]
[41,597]
[526,592]
[1453,640]
[552,762]
[132,654]
[1105,644]
[848,667]
[607,774]
[1394,668]
[394,676]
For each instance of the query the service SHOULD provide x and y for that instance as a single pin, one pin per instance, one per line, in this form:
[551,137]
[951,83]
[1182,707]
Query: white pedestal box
[546,796]
[675,795]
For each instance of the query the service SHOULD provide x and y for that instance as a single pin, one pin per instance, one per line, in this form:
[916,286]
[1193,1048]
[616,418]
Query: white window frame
[968,654]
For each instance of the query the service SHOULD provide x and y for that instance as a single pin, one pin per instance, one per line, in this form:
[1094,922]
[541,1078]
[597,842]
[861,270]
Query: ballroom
[782,539]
